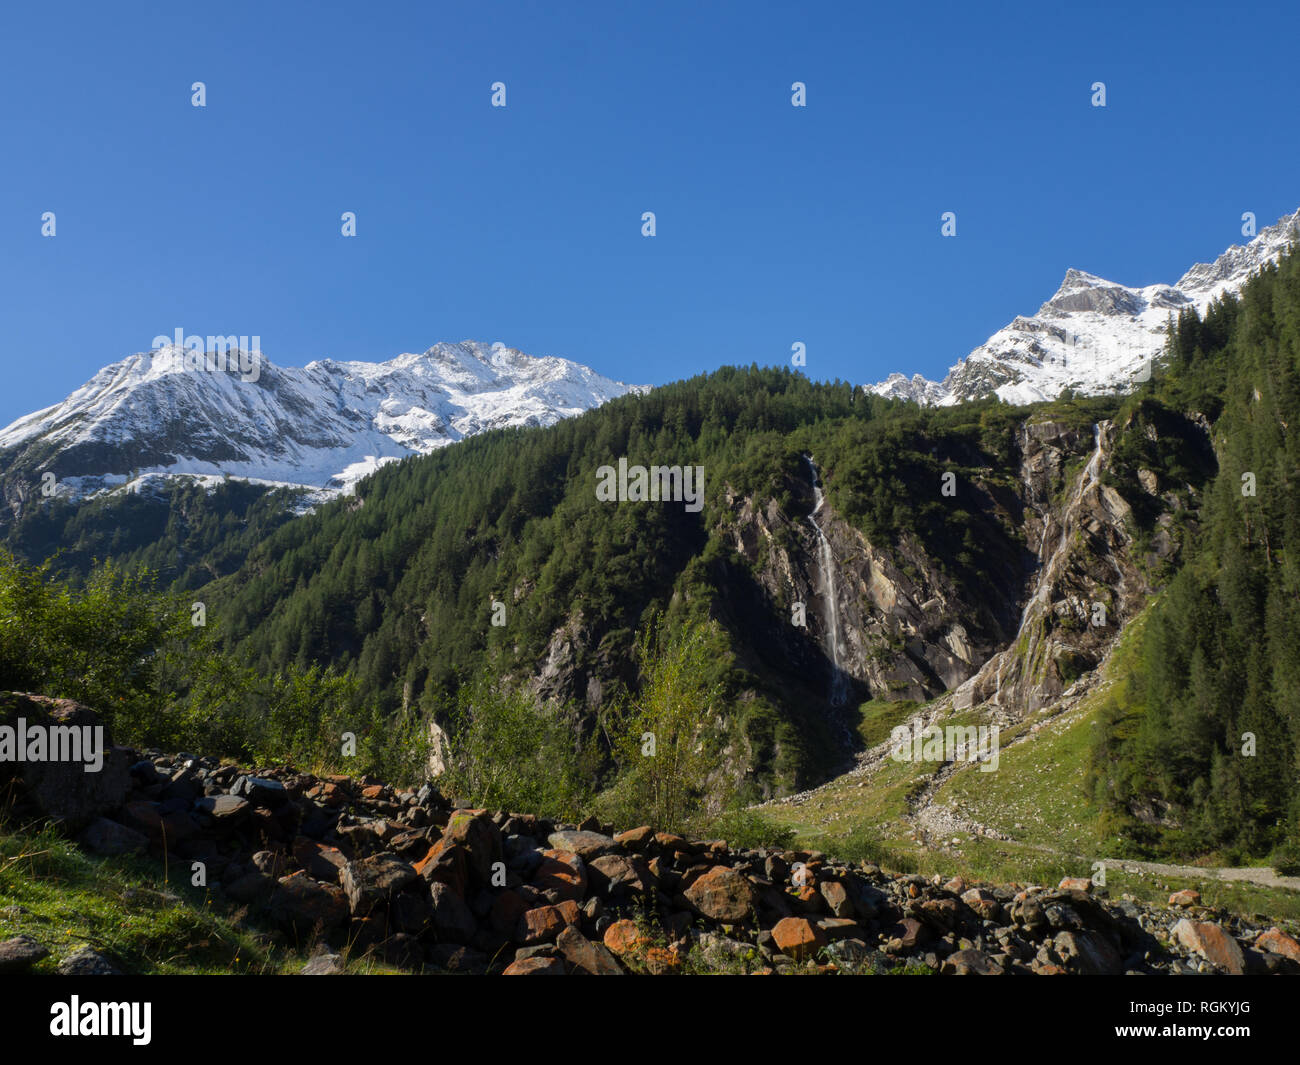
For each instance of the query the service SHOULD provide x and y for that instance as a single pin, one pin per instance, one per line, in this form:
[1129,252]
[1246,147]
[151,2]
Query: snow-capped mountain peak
[1093,335]
[173,411]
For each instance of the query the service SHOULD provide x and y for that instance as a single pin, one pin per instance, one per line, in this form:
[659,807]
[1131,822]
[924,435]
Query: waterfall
[826,579]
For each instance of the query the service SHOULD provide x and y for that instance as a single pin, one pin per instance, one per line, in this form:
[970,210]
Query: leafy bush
[670,732]
[503,751]
[134,655]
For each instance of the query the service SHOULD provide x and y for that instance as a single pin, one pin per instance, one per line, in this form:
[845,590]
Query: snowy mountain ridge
[1093,336]
[324,426]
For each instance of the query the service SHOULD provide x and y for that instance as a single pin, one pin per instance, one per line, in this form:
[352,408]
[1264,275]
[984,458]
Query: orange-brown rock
[1275,941]
[635,839]
[798,938]
[543,923]
[623,937]
[723,894]
[446,863]
[535,967]
[562,872]
[1212,943]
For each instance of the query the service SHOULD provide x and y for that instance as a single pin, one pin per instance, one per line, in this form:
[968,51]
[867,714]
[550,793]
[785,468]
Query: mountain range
[152,417]
[323,427]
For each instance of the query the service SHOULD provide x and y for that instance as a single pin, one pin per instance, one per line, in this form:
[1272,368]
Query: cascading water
[826,578]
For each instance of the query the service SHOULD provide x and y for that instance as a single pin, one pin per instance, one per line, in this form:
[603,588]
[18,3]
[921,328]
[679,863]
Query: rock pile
[341,863]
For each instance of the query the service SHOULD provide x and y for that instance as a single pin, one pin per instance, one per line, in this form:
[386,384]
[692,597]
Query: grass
[879,716]
[146,919]
[1038,797]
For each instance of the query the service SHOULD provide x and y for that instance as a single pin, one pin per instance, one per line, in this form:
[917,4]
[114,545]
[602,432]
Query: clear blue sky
[522,224]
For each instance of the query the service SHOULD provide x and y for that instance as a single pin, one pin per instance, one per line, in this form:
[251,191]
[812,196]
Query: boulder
[624,937]
[478,834]
[446,863]
[19,954]
[1275,941]
[318,860]
[798,937]
[562,872]
[106,837]
[836,898]
[260,791]
[1088,952]
[323,965]
[1212,943]
[586,845]
[723,894]
[585,957]
[79,775]
[453,921]
[87,962]
[635,839]
[374,881]
[909,933]
[618,874]
[983,903]
[226,811]
[970,963]
[542,924]
[303,905]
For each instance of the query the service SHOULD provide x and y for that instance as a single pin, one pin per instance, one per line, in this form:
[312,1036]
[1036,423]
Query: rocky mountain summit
[357,866]
[1093,336]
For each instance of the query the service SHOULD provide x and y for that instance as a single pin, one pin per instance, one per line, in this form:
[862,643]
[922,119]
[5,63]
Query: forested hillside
[184,532]
[1204,754]
[399,583]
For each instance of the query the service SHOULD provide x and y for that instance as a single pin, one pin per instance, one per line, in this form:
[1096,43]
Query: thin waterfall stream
[839,692]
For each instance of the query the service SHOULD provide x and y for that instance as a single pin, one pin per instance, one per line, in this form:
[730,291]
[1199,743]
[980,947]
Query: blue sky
[523,224]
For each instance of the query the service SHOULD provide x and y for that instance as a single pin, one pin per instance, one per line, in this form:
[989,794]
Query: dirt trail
[933,819]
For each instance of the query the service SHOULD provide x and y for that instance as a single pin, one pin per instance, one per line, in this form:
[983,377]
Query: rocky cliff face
[824,619]
[907,631]
[904,630]
[1087,582]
